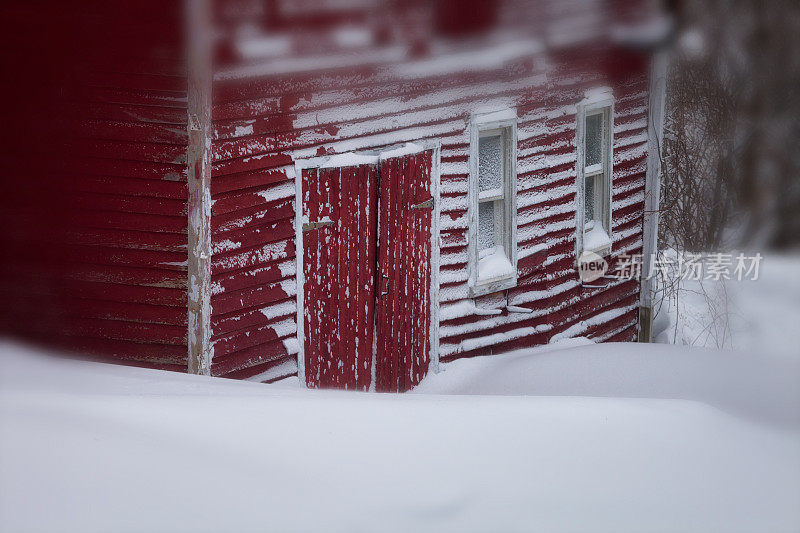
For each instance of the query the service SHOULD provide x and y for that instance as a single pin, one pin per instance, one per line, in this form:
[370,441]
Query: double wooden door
[366,283]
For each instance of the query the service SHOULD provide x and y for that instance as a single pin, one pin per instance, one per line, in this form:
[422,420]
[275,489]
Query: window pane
[490,163]
[594,140]
[588,198]
[485,225]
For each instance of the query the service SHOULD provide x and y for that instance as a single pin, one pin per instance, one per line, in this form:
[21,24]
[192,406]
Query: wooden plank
[258,255]
[328,296]
[125,168]
[124,275]
[390,305]
[386,257]
[130,131]
[258,295]
[47,307]
[280,209]
[143,152]
[242,279]
[116,238]
[240,340]
[408,256]
[125,352]
[122,112]
[398,238]
[381,277]
[233,183]
[251,236]
[123,220]
[253,317]
[75,326]
[132,187]
[30,286]
[344,338]
[277,367]
[99,256]
[363,359]
[391,310]
[423,279]
[254,197]
[126,203]
[370,239]
[248,357]
[311,276]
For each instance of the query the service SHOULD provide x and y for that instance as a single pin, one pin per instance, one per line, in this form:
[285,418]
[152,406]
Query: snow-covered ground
[753,315]
[570,437]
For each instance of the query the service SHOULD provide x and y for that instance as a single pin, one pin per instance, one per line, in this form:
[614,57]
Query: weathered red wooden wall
[93,210]
[339,275]
[270,111]
[404,268]
[94,195]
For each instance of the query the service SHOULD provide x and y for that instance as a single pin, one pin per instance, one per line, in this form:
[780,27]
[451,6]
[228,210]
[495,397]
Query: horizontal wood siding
[94,211]
[262,123]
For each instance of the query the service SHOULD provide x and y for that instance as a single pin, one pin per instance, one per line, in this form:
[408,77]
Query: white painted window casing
[595,141]
[492,233]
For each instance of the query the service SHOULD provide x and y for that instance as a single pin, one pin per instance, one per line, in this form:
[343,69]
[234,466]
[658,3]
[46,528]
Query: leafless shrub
[731,163]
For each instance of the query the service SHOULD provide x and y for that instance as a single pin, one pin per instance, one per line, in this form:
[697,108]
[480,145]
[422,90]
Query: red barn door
[339,248]
[345,260]
[404,267]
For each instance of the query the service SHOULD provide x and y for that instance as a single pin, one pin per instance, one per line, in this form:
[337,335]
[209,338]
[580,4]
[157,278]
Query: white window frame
[599,101]
[503,121]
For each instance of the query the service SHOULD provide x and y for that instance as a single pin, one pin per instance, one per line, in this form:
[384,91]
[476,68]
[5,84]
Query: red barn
[355,192]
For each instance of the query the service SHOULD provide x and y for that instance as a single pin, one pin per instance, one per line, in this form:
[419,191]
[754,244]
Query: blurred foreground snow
[570,437]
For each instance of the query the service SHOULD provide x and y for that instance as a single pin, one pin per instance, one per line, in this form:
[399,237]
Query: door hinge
[308,226]
[427,204]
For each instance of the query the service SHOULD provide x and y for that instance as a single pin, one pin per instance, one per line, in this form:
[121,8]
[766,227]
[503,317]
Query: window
[595,141]
[493,176]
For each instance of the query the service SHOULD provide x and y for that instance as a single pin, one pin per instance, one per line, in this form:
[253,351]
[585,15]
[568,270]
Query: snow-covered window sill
[495,272]
[596,240]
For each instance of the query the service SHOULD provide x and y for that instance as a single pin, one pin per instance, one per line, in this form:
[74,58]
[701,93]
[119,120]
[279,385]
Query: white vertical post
[655,129]
[198,32]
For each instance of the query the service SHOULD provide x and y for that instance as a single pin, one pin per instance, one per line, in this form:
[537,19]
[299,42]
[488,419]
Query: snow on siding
[260,132]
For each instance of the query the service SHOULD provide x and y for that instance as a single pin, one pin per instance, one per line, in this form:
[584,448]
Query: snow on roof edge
[406,149]
[349,159]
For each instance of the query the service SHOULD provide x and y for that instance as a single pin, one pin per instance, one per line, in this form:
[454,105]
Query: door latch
[386,279]
[308,226]
[427,204]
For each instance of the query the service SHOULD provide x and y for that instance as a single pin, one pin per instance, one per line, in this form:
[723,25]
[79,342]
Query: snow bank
[754,386]
[758,316]
[89,447]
